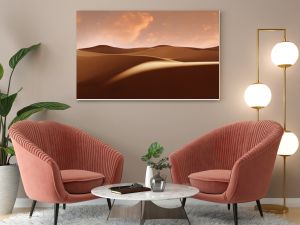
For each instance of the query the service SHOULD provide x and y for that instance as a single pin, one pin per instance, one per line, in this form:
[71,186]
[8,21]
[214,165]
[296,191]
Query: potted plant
[9,173]
[156,182]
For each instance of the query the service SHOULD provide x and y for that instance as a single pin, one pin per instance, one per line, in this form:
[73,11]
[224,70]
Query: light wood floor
[293,215]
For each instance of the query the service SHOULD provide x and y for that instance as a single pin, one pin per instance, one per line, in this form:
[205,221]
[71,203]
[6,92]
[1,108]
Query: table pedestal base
[147,210]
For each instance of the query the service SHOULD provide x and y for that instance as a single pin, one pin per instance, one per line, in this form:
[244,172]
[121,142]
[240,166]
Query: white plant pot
[148,176]
[9,183]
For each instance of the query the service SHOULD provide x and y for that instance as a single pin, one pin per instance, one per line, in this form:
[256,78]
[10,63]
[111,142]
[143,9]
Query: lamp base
[276,209]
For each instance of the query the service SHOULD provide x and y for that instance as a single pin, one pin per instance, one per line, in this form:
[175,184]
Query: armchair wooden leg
[235,213]
[108,203]
[32,208]
[259,208]
[64,206]
[56,209]
[228,206]
[183,202]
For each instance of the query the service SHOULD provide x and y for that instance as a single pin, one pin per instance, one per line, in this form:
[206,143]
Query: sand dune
[154,66]
[183,54]
[192,82]
[111,50]
[88,54]
[161,72]
[105,66]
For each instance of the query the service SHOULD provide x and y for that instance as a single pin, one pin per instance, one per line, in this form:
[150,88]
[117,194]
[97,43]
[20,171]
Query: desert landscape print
[148,55]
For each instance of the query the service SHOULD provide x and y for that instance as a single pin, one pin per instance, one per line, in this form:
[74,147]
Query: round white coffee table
[145,209]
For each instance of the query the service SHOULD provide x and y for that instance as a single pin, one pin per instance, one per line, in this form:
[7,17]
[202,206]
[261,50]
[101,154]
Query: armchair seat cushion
[81,181]
[211,181]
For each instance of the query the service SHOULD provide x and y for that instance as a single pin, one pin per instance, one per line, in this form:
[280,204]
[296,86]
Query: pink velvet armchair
[60,164]
[231,165]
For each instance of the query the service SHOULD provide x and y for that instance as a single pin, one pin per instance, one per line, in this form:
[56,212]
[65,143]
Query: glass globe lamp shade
[257,95]
[284,54]
[289,144]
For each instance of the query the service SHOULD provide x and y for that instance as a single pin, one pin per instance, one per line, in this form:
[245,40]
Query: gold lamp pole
[284,54]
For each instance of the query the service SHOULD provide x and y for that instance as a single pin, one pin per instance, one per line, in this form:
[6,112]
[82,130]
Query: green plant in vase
[157,182]
[9,175]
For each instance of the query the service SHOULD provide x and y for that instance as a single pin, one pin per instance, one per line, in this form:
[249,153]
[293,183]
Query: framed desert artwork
[148,55]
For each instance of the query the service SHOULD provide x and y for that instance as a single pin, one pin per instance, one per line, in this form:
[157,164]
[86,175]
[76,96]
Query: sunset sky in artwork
[131,29]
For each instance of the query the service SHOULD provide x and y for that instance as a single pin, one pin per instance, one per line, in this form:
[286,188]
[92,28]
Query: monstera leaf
[27,111]
[15,59]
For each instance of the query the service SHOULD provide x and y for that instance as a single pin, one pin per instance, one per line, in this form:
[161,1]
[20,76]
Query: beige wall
[130,126]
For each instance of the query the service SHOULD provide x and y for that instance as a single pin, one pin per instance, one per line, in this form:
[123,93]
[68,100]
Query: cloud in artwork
[129,25]
[126,28]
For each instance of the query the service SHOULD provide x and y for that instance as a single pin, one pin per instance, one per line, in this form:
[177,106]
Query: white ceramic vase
[9,183]
[148,176]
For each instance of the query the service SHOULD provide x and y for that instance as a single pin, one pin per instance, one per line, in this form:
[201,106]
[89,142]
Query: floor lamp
[284,54]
